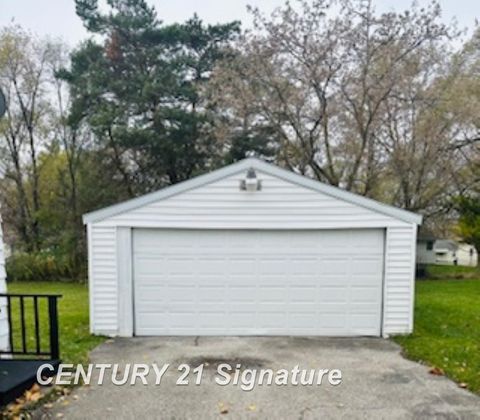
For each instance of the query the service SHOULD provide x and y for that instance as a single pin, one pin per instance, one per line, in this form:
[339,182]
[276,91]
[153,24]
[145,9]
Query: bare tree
[321,74]
[23,77]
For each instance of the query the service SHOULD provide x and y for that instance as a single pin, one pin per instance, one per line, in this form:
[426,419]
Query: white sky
[57,17]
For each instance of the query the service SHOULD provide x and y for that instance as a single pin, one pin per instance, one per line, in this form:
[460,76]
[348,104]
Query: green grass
[447,329]
[75,339]
[445,272]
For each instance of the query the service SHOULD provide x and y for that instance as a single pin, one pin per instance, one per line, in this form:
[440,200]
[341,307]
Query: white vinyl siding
[399,275]
[280,205]
[3,289]
[103,284]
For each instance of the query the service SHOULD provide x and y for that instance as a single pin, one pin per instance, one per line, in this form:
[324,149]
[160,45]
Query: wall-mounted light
[251,182]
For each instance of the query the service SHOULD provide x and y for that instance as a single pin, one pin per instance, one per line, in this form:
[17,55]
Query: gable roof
[261,166]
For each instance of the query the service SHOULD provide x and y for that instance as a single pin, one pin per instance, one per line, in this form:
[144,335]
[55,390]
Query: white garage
[251,249]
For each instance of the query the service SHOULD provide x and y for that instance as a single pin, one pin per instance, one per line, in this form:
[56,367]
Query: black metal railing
[32,345]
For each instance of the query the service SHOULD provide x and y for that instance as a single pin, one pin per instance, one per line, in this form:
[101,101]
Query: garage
[251,249]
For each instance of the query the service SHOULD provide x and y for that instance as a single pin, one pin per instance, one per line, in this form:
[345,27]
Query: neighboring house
[449,252]
[467,255]
[425,249]
[445,252]
[251,249]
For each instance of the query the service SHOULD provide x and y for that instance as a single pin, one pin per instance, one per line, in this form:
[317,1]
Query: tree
[42,153]
[139,91]
[469,222]
[353,96]
[23,78]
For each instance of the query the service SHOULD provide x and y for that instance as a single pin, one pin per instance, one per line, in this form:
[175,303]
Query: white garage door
[200,282]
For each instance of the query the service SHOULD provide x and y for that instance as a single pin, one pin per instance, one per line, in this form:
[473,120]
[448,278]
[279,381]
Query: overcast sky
[58,18]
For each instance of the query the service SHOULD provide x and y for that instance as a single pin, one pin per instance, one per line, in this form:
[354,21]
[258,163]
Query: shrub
[41,266]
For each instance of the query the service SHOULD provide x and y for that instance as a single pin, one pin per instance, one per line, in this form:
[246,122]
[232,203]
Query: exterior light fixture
[251,183]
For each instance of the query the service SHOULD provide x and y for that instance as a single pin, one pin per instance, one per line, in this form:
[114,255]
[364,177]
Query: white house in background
[467,255]
[449,252]
[251,249]
[445,252]
[425,249]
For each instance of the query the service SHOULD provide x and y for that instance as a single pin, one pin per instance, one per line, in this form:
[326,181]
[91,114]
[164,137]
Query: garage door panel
[241,293]
[303,320]
[363,294]
[272,266]
[241,265]
[333,322]
[363,321]
[302,295]
[272,295]
[362,280]
[305,266]
[335,267]
[332,295]
[209,292]
[257,282]
[363,266]
[150,267]
[272,319]
[152,297]
[241,319]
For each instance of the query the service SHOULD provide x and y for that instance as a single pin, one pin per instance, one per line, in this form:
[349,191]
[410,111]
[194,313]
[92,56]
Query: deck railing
[26,333]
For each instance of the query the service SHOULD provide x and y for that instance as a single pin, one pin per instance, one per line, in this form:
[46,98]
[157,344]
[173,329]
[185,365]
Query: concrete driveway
[376,382]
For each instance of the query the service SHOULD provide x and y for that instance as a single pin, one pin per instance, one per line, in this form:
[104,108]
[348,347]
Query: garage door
[200,282]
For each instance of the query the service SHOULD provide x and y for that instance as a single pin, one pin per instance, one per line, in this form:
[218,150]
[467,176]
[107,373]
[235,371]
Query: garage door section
[200,282]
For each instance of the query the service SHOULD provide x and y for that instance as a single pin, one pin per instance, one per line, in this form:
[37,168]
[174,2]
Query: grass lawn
[75,339]
[445,272]
[447,329]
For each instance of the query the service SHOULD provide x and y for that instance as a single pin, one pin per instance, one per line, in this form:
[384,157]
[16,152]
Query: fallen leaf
[252,407]
[223,408]
[463,385]
[48,405]
[35,397]
[32,395]
[436,371]
[59,415]
[15,408]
